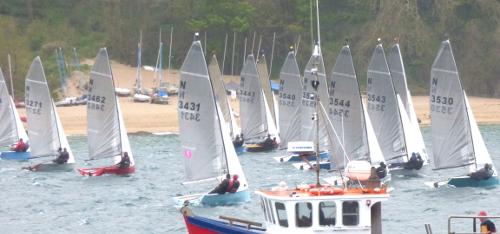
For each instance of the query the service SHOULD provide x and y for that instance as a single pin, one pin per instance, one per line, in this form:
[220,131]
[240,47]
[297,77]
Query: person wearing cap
[234,184]
[482,174]
[124,162]
[223,187]
[487,226]
[412,163]
[420,162]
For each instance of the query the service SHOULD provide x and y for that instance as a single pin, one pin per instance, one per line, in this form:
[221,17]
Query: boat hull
[304,166]
[51,167]
[240,149]
[113,170]
[296,158]
[259,148]
[465,181]
[425,170]
[213,199]
[15,155]
[200,225]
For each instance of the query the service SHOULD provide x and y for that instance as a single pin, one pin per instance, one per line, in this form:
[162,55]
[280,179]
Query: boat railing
[248,223]
[475,227]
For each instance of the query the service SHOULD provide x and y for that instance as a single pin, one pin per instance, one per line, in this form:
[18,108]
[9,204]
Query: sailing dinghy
[456,140]
[209,154]
[255,116]
[106,132]
[11,127]
[44,127]
[414,139]
[223,102]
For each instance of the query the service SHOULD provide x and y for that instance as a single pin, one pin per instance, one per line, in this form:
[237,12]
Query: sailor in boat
[482,174]
[382,170]
[487,226]
[238,142]
[222,188]
[268,142]
[412,163]
[420,162]
[63,156]
[20,146]
[124,162]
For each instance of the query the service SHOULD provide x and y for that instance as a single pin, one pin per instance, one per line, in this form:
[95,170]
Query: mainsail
[383,107]
[414,139]
[103,113]
[42,129]
[346,112]
[309,97]
[252,107]
[221,97]
[289,101]
[210,152]
[10,132]
[450,125]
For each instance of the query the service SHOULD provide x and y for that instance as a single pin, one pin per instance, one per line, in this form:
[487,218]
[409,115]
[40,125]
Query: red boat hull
[114,170]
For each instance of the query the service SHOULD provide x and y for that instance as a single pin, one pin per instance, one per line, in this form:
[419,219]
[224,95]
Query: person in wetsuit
[382,170]
[482,174]
[222,188]
[124,162]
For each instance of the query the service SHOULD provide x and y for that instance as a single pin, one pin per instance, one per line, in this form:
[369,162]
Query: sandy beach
[163,118]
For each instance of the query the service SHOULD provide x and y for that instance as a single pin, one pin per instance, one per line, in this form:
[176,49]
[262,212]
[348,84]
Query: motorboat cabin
[309,210]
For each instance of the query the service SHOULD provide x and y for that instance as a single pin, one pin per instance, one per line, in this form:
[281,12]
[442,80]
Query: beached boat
[44,127]
[223,102]
[209,154]
[456,140]
[11,126]
[106,133]
[414,139]
[350,208]
[255,116]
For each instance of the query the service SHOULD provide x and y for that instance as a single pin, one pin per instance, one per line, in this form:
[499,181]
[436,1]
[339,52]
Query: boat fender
[326,191]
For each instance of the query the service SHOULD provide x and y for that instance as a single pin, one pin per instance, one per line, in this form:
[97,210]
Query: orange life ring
[326,191]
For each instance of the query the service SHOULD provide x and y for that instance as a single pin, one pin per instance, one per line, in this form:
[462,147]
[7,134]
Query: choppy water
[64,202]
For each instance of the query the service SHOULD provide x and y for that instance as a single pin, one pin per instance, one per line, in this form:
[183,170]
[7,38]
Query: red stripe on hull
[114,170]
[193,229]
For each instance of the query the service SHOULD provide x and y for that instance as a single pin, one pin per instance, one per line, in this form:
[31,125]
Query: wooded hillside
[32,27]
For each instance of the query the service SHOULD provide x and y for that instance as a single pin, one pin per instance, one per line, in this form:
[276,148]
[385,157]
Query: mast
[138,81]
[170,54]
[272,56]
[60,74]
[224,57]
[232,60]
[10,72]
[65,77]
[79,72]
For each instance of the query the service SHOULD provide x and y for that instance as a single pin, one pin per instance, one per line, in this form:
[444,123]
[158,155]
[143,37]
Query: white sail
[480,150]
[383,107]
[396,66]
[221,97]
[266,87]
[290,101]
[62,137]
[252,107]
[105,136]
[42,129]
[345,110]
[308,108]
[450,124]
[203,153]
[11,128]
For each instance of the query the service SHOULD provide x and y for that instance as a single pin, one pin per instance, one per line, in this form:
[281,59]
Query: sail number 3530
[441,104]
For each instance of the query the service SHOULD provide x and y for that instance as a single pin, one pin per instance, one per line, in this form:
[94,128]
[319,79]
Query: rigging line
[272,56]
[224,57]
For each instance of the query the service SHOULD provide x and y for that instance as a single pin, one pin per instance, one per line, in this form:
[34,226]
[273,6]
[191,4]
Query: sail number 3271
[34,107]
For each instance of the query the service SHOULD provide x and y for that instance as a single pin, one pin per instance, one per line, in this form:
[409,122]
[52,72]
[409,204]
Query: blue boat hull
[466,181]
[15,155]
[200,225]
[240,149]
[296,158]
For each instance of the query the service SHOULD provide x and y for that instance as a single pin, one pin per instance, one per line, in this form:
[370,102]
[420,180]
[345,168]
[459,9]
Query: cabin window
[264,208]
[270,211]
[350,213]
[303,214]
[281,211]
[327,213]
